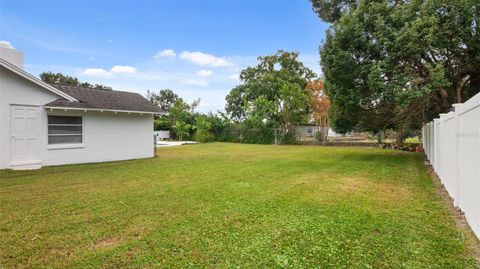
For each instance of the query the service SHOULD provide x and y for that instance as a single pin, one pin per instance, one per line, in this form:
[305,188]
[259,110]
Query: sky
[196,48]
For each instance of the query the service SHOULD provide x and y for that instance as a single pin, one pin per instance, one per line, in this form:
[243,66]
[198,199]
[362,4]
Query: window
[309,130]
[65,130]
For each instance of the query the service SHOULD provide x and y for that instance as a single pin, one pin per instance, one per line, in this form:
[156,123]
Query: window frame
[65,145]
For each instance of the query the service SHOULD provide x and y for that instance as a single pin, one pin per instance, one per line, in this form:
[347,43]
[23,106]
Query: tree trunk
[379,138]
[458,91]
[399,139]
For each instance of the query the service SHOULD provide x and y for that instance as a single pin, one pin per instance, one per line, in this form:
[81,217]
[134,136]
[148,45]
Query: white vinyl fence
[452,145]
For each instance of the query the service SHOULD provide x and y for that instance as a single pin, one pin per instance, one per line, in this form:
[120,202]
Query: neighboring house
[43,124]
[309,130]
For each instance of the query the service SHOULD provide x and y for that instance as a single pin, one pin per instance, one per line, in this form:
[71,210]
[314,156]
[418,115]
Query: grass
[232,205]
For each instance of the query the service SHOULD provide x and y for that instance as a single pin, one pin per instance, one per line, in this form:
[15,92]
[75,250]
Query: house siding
[107,136]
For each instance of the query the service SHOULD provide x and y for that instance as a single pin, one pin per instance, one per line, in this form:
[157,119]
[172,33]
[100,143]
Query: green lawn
[232,205]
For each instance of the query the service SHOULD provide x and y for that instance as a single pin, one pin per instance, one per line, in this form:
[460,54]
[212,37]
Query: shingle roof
[103,99]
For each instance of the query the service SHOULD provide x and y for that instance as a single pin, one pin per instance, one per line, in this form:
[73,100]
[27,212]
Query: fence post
[276,136]
[433,143]
[456,199]
[436,149]
[443,142]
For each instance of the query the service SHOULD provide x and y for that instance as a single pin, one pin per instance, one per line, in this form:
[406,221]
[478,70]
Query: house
[306,131]
[43,124]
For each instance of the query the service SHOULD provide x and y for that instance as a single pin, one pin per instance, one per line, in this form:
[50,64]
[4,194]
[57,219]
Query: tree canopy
[319,106]
[272,93]
[396,64]
[59,78]
[332,10]
[165,99]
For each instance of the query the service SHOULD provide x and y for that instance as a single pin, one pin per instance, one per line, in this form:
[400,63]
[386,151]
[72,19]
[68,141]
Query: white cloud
[234,76]
[168,53]
[204,73]
[123,69]
[91,58]
[6,44]
[117,69]
[96,72]
[196,82]
[204,59]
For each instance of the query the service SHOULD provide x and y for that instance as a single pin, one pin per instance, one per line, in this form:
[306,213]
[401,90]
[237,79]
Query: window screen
[65,130]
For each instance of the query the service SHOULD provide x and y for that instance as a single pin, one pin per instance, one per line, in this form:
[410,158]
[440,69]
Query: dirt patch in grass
[459,217]
[107,243]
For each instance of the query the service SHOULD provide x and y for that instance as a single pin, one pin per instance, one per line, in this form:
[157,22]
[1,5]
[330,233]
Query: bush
[257,136]
[412,140]
[204,136]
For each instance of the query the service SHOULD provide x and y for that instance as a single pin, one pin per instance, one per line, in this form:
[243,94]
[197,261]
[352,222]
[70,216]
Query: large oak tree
[396,64]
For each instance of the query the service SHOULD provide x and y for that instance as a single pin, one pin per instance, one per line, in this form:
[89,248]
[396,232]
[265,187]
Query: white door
[24,135]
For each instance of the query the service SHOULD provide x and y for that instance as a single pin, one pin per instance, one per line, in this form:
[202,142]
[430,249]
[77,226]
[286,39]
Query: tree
[319,104]
[174,107]
[272,93]
[222,127]
[332,10]
[59,78]
[181,129]
[165,99]
[397,64]
[202,127]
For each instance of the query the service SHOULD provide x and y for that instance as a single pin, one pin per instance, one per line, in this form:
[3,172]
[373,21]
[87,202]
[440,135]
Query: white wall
[107,136]
[162,134]
[19,91]
[452,145]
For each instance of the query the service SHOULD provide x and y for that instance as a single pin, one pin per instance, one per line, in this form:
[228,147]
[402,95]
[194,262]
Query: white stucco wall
[107,136]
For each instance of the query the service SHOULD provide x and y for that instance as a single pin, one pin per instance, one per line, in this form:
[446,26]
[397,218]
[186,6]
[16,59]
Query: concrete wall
[452,145]
[106,136]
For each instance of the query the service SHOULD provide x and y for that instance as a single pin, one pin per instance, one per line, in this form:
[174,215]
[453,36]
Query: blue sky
[197,48]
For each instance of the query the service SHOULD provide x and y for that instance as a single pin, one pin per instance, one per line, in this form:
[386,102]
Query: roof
[35,80]
[93,99]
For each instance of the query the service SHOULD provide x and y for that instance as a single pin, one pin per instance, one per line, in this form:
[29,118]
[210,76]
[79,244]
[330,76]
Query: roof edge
[35,80]
[101,110]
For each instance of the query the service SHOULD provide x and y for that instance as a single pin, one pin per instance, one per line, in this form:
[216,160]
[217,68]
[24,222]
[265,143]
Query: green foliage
[224,205]
[395,65]
[255,131]
[176,110]
[165,99]
[222,127]
[162,123]
[273,92]
[332,10]
[202,127]
[412,140]
[59,78]
[181,129]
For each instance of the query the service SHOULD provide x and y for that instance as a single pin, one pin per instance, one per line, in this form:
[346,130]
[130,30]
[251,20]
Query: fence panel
[452,145]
